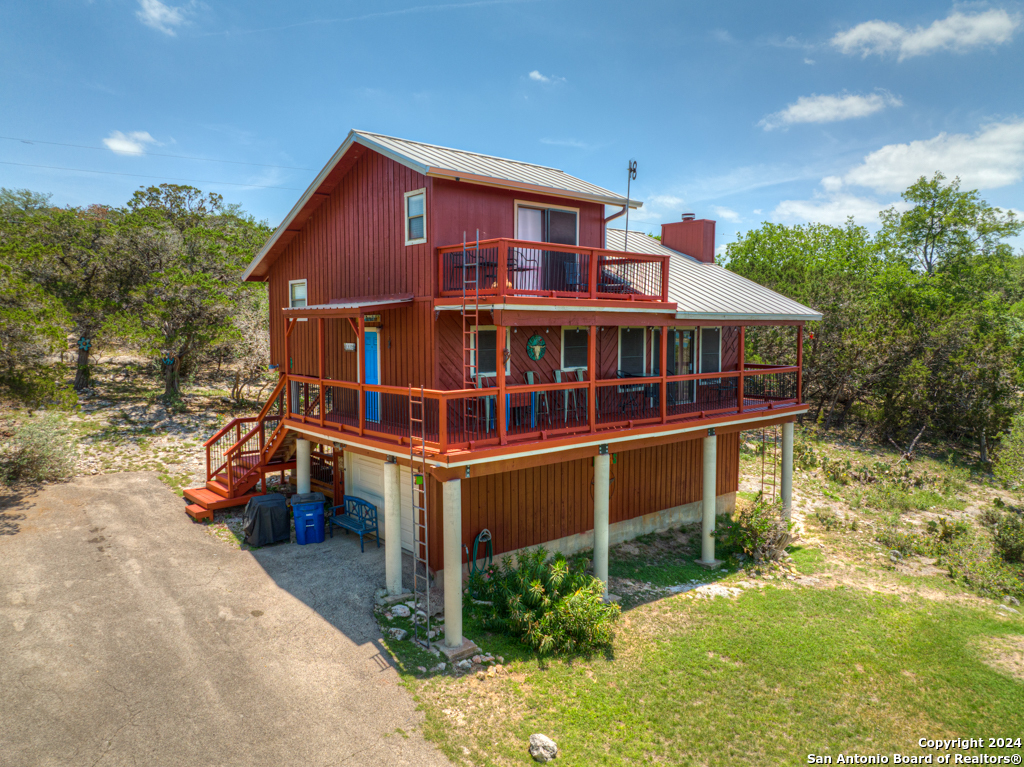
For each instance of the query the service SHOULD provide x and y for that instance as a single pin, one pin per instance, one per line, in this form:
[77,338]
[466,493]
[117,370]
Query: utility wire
[152,154]
[140,175]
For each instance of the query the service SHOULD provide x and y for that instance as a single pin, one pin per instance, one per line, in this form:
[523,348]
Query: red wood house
[466,342]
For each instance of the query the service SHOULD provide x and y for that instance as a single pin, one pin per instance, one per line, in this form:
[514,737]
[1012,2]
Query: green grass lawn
[768,677]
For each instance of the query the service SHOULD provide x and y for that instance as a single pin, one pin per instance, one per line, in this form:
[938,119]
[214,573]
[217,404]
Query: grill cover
[267,520]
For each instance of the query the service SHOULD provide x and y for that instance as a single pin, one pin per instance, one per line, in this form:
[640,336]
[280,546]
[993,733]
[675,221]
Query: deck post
[302,461]
[740,359]
[452,500]
[707,549]
[787,470]
[592,373]
[800,363]
[602,485]
[663,367]
[320,365]
[499,365]
[392,527]
[361,363]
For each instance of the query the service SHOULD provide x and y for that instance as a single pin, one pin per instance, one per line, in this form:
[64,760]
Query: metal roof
[431,160]
[438,162]
[709,292]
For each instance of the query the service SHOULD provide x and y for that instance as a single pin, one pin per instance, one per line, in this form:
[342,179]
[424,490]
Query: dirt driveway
[130,636]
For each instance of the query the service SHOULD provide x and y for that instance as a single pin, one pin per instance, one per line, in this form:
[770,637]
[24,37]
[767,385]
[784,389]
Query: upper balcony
[500,268]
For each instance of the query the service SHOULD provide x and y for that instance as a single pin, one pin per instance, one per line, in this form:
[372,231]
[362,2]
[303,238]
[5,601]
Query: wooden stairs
[240,455]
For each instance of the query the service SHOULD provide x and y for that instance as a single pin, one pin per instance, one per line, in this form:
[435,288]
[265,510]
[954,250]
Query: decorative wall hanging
[536,347]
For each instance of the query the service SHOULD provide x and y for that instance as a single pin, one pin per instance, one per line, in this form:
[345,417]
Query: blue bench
[356,515]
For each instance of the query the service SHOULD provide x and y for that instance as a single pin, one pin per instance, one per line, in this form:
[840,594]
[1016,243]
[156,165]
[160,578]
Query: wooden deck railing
[504,267]
[468,419]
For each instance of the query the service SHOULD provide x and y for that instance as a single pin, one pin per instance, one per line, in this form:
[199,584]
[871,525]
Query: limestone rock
[542,748]
[401,611]
[464,665]
[397,633]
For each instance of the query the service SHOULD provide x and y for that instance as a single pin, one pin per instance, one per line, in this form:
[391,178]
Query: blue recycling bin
[309,518]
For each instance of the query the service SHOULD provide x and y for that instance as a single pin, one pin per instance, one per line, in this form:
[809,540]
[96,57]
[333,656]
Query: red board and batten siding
[354,245]
[528,507]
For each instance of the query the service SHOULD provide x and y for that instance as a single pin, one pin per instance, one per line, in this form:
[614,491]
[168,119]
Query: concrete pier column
[302,447]
[602,475]
[707,549]
[452,499]
[787,470]
[392,527]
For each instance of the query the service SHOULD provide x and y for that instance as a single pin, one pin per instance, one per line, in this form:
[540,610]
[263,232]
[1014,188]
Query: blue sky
[742,112]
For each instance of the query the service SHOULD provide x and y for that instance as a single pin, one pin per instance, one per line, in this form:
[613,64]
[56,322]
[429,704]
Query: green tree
[200,246]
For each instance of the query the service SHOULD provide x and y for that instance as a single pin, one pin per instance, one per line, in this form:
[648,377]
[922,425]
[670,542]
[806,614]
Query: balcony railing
[504,267]
[469,419]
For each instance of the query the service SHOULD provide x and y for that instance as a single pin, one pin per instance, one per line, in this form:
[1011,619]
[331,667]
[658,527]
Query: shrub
[1008,537]
[1009,466]
[39,449]
[551,605]
[969,563]
[758,530]
[828,519]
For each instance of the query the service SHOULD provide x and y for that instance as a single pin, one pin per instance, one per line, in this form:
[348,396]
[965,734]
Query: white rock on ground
[542,748]
[401,611]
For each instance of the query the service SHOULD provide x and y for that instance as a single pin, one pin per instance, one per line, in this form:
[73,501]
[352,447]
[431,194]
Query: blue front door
[371,365]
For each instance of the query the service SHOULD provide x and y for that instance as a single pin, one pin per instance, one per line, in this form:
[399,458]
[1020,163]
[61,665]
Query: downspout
[612,217]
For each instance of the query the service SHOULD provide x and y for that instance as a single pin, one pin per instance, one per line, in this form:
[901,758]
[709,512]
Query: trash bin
[308,511]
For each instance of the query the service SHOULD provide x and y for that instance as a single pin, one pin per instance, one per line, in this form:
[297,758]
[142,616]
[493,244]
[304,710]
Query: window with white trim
[416,217]
[710,350]
[485,338]
[632,347]
[575,343]
[297,295]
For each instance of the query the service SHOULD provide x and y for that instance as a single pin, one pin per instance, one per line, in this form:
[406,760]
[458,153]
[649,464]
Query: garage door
[364,477]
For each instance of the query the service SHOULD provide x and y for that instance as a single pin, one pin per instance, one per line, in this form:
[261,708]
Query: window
[486,338]
[297,295]
[416,217]
[631,351]
[574,348]
[710,350]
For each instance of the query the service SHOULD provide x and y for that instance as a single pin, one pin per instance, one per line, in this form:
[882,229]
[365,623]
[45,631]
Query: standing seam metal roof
[708,291]
[438,159]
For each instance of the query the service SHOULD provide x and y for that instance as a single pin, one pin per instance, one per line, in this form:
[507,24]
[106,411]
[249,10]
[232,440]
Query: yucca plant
[551,605]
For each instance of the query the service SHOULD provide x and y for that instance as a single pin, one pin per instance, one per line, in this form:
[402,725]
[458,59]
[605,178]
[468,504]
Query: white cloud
[957,32]
[162,17]
[757,211]
[810,62]
[537,77]
[829,208]
[130,143]
[992,157]
[826,109]
[726,213]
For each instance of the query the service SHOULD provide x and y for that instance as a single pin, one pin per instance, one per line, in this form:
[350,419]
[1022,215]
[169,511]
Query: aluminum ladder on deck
[420,513]
[471,406]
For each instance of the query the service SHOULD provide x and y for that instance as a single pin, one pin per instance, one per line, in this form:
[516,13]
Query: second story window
[632,343]
[711,350]
[574,348]
[416,217]
[297,294]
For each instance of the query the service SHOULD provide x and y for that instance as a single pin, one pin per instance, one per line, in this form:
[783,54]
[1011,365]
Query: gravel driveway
[130,636]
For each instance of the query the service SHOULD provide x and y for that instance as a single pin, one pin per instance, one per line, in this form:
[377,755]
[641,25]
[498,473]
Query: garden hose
[484,536]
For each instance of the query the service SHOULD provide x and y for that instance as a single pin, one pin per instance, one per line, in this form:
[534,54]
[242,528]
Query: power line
[140,175]
[153,154]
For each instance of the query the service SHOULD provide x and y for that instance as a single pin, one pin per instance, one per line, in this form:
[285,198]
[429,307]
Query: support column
[302,447]
[452,499]
[602,475]
[787,470]
[707,549]
[392,527]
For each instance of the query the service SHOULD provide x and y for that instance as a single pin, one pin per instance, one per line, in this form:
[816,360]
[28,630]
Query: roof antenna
[629,177]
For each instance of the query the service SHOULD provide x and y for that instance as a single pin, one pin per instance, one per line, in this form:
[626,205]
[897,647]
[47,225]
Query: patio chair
[569,395]
[539,399]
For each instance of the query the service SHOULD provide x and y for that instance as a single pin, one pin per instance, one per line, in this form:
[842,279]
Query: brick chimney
[694,237]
